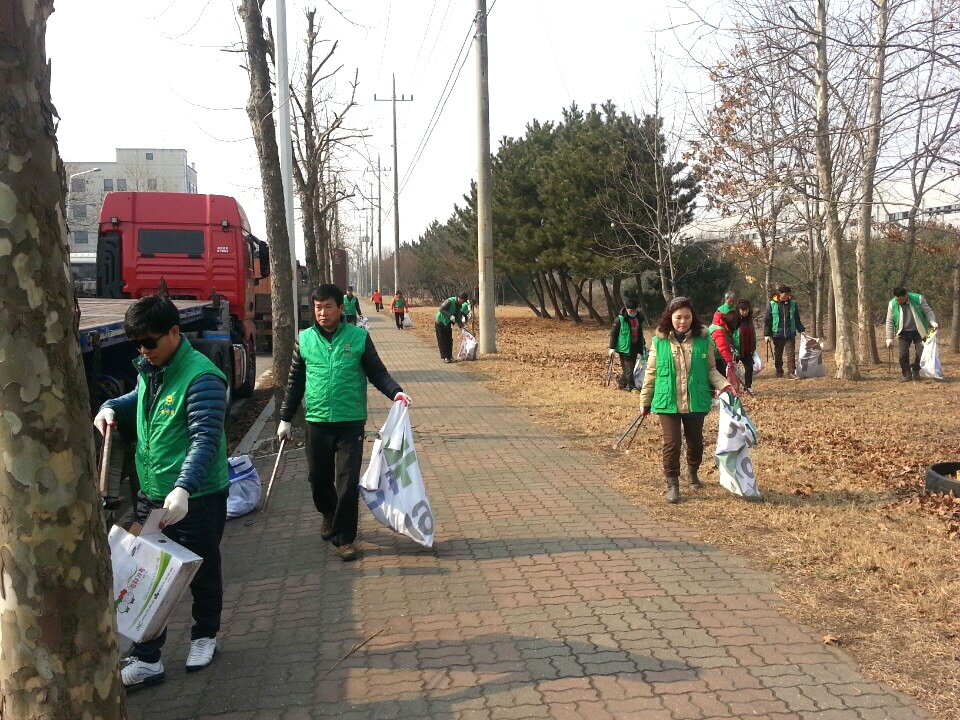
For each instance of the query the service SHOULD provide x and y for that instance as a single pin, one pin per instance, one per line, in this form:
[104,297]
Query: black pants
[445,340]
[398,318]
[352,319]
[378,306]
[200,531]
[790,346]
[334,455]
[627,362]
[904,341]
[691,426]
[747,371]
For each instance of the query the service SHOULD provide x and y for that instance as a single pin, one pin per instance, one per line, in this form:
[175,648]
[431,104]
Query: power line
[441,104]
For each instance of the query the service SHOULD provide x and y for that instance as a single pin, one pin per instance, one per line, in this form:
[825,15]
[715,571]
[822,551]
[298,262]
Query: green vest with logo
[351,305]
[162,435]
[399,304]
[336,387]
[730,340]
[914,299]
[698,377]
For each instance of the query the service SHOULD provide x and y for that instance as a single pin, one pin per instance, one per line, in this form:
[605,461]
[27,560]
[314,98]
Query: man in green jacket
[331,365]
[450,311]
[910,319]
[351,306]
[178,410]
[626,341]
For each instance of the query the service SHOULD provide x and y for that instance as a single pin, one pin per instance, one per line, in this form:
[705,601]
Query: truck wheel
[246,388]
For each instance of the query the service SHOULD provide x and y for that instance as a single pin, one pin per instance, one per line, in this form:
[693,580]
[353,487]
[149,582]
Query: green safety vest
[775,314]
[336,384]
[163,438]
[730,340]
[623,340]
[698,377]
[454,305]
[914,299]
[398,303]
[351,305]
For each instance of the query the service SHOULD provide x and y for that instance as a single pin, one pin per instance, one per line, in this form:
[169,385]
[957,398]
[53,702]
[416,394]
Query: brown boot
[673,490]
[692,477]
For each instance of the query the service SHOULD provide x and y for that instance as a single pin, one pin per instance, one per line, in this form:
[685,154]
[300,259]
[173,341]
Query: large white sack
[930,358]
[810,363]
[736,434]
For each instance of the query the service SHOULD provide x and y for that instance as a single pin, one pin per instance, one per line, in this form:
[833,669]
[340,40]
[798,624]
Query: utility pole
[286,148]
[380,224]
[487,341]
[396,185]
[372,201]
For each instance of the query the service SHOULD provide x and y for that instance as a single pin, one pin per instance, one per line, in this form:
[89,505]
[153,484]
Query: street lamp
[82,172]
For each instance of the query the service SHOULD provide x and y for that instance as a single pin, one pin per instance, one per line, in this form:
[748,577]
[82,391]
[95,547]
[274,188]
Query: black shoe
[906,378]
[326,527]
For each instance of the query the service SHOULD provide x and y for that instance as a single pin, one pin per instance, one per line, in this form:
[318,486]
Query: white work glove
[934,325]
[889,342]
[105,417]
[176,506]
[767,338]
[285,430]
[404,398]
[611,352]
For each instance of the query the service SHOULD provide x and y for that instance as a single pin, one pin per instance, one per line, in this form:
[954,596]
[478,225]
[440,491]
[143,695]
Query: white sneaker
[201,653]
[138,672]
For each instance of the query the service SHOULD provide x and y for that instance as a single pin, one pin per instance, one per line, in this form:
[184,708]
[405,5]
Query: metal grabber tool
[273,476]
[635,427]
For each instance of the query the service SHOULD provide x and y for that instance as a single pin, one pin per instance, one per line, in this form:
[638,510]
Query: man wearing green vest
[451,311]
[729,303]
[331,364]
[909,319]
[351,306]
[626,340]
[178,410]
[781,323]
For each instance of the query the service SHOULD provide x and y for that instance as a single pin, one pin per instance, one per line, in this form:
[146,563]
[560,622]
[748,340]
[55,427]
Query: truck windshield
[180,242]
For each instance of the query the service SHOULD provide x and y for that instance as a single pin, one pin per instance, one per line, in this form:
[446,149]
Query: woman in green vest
[399,307]
[677,387]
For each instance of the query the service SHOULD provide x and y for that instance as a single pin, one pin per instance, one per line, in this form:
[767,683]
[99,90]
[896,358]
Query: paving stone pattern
[546,595]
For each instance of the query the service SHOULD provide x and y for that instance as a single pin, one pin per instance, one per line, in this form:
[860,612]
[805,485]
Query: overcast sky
[137,74]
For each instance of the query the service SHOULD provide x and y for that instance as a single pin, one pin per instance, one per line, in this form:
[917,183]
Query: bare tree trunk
[59,655]
[955,320]
[546,278]
[562,287]
[590,308]
[538,289]
[260,113]
[522,296]
[867,336]
[608,297]
[846,351]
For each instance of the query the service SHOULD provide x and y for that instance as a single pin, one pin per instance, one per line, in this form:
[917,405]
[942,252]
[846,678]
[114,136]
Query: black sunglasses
[147,343]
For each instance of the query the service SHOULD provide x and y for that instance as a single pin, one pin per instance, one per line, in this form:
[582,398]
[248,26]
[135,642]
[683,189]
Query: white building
[135,169]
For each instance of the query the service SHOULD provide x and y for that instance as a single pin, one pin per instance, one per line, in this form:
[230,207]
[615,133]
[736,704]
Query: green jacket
[399,303]
[351,305]
[698,377]
[336,385]
[163,436]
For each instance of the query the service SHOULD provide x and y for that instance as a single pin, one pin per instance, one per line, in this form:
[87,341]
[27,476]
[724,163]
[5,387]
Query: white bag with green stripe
[736,434]
[392,485]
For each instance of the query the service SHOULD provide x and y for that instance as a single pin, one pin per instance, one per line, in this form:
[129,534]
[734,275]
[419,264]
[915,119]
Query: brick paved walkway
[547,595]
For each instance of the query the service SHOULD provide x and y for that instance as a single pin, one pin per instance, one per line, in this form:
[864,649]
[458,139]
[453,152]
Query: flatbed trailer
[101,319]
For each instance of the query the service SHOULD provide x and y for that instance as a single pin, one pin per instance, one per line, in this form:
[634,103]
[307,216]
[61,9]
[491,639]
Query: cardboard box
[150,574]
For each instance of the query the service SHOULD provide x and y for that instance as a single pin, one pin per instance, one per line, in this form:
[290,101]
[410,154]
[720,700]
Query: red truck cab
[199,246]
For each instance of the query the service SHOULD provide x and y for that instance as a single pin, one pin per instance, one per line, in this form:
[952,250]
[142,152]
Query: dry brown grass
[860,552]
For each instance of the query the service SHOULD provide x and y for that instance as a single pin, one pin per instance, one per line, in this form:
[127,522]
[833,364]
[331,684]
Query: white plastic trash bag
[392,486]
[639,370]
[757,363]
[407,321]
[468,346]
[930,358]
[364,323]
[244,486]
[736,434]
[810,363]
